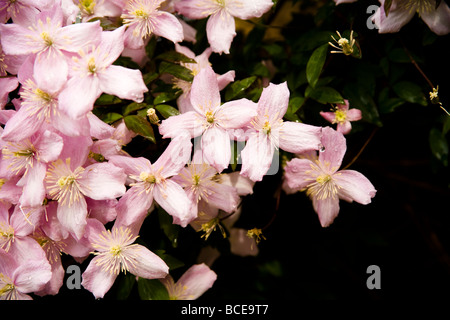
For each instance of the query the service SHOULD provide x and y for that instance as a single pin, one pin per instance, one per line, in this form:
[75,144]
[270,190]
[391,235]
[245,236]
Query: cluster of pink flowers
[56,197]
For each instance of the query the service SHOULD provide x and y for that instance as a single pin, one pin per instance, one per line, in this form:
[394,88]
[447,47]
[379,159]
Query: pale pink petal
[32,276]
[395,20]
[354,115]
[236,114]
[329,116]
[437,20]
[327,210]
[73,216]
[197,280]
[172,198]
[102,210]
[190,122]
[49,146]
[98,128]
[334,145]
[123,82]
[97,280]
[144,263]
[220,31]
[299,137]
[225,79]
[70,127]
[112,43]
[15,41]
[248,9]
[33,185]
[257,157]
[168,26]
[73,103]
[344,127]
[205,93]
[295,173]
[51,70]
[175,157]
[354,186]
[191,9]
[274,101]
[216,148]
[21,126]
[131,166]
[133,207]
[222,196]
[243,185]
[6,86]
[103,181]
[79,35]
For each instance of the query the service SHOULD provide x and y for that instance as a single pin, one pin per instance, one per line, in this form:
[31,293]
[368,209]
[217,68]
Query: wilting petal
[354,186]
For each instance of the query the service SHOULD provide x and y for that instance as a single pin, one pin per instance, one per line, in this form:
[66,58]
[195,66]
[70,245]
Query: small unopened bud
[152,116]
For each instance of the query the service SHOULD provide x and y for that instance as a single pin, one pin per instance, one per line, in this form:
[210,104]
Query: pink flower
[401,12]
[115,252]
[29,158]
[153,181]
[21,11]
[143,19]
[192,284]
[50,42]
[269,132]
[220,28]
[202,183]
[6,86]
[323,183]
[210,119]
[342,116]
[93,73]
[184,101]
[18,279]
[68,182]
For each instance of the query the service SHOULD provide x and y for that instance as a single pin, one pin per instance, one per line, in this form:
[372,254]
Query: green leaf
[410,92]
[166,110]
[107,99]
[176,70]
[151,47]
[125,285]
[134,106]
[111,117]
[174,56]
[238,87]
[167,96]
[325,95]
[294,105]
[315,64]
[390,105]
[439,146]
[152,290]
[140,126]
[446,127]
[149,77]
[361,99]
[172,262]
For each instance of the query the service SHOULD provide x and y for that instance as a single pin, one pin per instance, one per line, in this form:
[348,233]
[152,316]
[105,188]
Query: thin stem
[361,150]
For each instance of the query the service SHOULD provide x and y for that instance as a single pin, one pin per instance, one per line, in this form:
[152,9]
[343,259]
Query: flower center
[209,117]
[87,6]
[147,177]
[6,236]
[47,39]
[266,127]
[91,65]
[340,116]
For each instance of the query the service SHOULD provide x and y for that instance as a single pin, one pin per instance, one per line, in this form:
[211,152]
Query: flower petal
[168,26]
[220,31]
[123,82]
[97,280]
[354,186]
[335,147]
[296,173]
[257,156]
[103,181]
[175,157]
[437,20]
[299,137]
[216,148]
[205,93]
[248,9]
[197,280]
[274,101]
[327,210]
[190,122]
[144,263]
[236,114]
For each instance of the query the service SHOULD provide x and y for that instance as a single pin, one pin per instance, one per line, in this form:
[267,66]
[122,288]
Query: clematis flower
[210,119]
[184,101]
[68,182]
[402,11]
[220,28]
[268,132]
[202,183]
[50,43]
[18,279]
[115,252]
[192,284]
[93,73]
[21,11]
[153,181]
[143,18]
[324,183]
[29,158]
[342,115]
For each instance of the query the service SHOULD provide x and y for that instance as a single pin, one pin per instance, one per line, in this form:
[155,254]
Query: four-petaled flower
[342,115]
